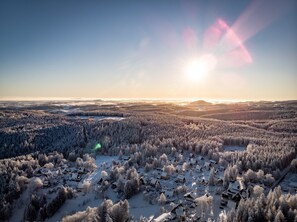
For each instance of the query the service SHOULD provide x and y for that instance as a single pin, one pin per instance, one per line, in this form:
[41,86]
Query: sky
[240,50]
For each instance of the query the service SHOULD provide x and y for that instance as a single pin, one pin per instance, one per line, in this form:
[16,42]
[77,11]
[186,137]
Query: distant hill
[200,103]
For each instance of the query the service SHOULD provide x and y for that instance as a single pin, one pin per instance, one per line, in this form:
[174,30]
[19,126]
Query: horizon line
[230,100]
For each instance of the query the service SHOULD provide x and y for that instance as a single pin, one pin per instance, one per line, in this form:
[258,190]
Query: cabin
[164,176]
[221,168]
[193,162]
[213,162]
[73,170]
[163,217]
[65,171]
[180,213]
[200,158]
[99,180]
[142,181]
[168,193]
[202,180]
[46,183]
[189,196]
[224,201]
[180,179]
[46,172]
[126,158]
[79,186]
[236,187]
[153,182]
[75,177]
[207,165]
[81,170]
[178,168]
[198,168]
[114,185]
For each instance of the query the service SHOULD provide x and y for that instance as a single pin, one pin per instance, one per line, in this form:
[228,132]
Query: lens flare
[227,45]
[97,147]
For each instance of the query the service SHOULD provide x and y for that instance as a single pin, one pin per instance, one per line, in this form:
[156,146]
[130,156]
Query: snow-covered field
[234,148]
[101,117]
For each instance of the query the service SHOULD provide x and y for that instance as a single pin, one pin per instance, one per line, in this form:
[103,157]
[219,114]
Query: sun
[197,69]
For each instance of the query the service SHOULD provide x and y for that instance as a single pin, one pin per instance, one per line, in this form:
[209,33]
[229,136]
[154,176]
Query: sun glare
[199,68]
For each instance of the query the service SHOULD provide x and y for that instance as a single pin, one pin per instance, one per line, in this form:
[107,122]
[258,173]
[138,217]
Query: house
[201,180]
[180,179]
[200,158]
[195,217]
[37,172]
[164,176]
[163,217]
[236,187]
[225,195]
[180,213]
[114,185]
[153,182]
[219,181]
[193,162]
[189,196]
[126,158]
[198,168]
[168,193]
[178,168]
[142,181]
[244,194]
[213,162]
[224,201]
[46,172]
[221,168]
[99,180]
[236,197]
[75,177]
[46,183]
[207,165]
[65,171]
[81,170]
[80,186]
[64,166]
[73,170]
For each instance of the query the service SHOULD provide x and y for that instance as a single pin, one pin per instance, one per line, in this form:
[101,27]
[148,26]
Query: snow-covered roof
[207,164]
[198,167]
[164,174]
[162,217]
[189,195]
[153,181]
[236,186]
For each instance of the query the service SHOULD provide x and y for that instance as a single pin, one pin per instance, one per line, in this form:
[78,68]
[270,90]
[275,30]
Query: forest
[40,141]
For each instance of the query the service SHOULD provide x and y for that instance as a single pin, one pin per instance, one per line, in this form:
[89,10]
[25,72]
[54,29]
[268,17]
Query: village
[187,188]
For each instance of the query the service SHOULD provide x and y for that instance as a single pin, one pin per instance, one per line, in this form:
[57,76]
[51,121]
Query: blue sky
[138,49]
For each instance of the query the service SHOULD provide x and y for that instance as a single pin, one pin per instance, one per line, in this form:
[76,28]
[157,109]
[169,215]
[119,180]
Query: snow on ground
[102,163]
[101,117]
[289,184]
[234,148]
[82,201]
[139,207]
[19,207]
[79,203]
